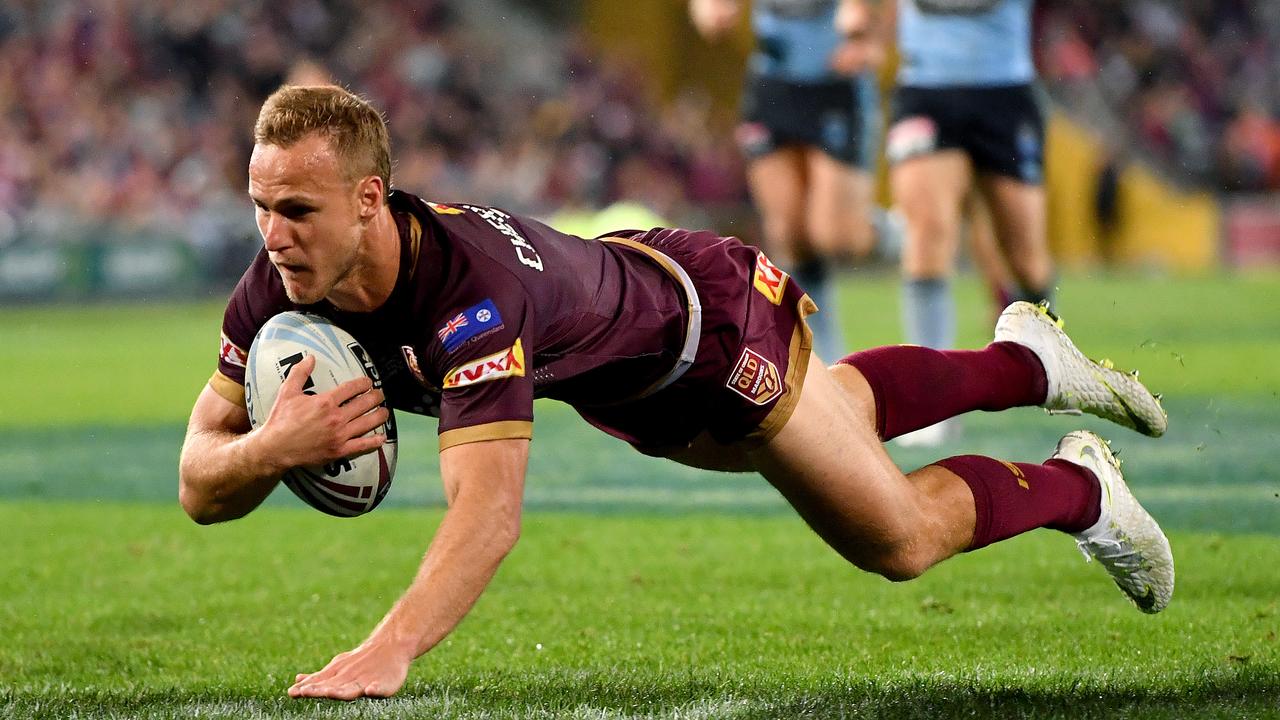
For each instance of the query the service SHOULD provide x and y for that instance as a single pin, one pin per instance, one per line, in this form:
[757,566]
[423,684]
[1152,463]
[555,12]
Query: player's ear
[369,196]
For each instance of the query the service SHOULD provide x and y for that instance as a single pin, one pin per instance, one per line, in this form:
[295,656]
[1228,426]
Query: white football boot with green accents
[1076,383]
[1125,540]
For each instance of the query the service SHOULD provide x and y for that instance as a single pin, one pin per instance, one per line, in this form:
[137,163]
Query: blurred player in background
[811,133]
[687,345]
[965,116]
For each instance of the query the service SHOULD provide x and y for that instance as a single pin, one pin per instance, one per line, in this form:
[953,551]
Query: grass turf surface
[653,590]
[617,616]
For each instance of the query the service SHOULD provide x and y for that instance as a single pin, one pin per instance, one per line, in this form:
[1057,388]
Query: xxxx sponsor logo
[755,378]
[769,280]
[231,354]
[506,363]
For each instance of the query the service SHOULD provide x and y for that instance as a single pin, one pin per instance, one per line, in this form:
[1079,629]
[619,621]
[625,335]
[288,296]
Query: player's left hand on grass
[371,670]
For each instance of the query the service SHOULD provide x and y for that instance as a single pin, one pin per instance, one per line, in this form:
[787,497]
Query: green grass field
[639,588]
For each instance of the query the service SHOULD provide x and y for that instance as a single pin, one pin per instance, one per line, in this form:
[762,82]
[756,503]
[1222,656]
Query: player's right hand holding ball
[305,429]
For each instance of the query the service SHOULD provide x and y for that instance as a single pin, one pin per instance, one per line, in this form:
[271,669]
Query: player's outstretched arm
[226,470]
[484,485]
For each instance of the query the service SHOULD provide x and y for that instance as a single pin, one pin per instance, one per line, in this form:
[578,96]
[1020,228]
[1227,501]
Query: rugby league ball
[347,487]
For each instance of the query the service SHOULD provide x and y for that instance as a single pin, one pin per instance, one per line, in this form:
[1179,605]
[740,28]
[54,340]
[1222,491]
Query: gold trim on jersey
[667,263]
[415,242]
[797,365]
[500,430]
[229,389]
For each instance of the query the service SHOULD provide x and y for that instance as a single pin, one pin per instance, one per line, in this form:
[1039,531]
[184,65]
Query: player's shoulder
[489,244]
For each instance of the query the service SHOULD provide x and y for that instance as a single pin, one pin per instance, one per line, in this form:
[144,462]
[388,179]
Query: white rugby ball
[347,487]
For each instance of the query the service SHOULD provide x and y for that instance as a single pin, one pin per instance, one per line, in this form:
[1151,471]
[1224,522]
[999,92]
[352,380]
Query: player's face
[308,216]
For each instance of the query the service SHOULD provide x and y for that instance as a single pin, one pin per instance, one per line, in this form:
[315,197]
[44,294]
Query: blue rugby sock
[828,340]
[929,313]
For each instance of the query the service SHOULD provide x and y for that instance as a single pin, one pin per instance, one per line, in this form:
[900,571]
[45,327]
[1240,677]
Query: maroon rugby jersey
[489,311]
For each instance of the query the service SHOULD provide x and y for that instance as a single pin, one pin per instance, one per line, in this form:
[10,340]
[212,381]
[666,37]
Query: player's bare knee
[901,558]
[900,563]
[852,238]
[789,240]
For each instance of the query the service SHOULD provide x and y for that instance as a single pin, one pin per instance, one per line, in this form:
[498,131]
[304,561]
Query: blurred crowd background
[1194,84]
[126,119]
[134,117]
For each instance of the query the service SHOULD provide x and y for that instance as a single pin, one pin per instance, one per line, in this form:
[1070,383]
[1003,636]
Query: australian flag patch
[468,324]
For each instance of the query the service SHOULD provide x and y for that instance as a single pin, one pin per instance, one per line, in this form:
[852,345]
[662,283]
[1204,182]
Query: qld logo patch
[468,324]
[502,364]
[769,280]
[755,378]
[231,354]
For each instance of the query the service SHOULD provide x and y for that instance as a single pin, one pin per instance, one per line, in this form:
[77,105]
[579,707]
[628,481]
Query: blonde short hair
[356,132]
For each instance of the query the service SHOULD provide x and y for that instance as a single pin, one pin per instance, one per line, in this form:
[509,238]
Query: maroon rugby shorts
[752,354]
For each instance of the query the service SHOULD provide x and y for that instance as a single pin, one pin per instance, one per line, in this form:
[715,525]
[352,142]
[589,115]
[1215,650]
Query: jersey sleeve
[233,353]
[484,355]
[250,305]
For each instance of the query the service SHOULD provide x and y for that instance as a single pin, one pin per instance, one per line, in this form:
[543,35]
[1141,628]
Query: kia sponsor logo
[769,280]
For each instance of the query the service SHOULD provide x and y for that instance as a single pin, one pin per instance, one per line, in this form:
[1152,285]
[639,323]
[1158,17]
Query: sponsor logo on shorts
[502,364]
[440,209]
[754,138]
[910,137]
[469,323]
[769,280]
[755,378]
[835,131]
[231,354]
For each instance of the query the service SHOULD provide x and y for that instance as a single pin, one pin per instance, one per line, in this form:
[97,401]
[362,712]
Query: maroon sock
[915,386]
[1012,498]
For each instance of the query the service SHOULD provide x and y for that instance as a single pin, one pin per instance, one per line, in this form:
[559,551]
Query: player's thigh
[705,453]
[830,465]
[1018,214]
[778,185]
[984,250]
[929,190]
[840,197]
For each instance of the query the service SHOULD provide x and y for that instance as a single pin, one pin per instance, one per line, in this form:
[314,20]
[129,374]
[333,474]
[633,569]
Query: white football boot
[1076,383]
[1126,540]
